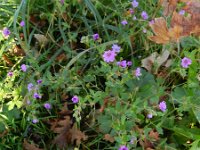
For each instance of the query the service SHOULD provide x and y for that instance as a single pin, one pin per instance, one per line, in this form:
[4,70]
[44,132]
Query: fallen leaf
[169,6]
[160,30]
[27,146]
[77,135]
[41,39]
[7,60]
[109,138]
[155,58]
[154,136]
[149,61]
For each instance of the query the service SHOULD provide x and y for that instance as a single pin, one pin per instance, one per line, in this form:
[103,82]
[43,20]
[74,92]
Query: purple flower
[6,32]
[10,73]
[138,72]
[95,36]
[185,62]
[122,64]
[30,86]
[144,30]
[150,115]
[37,96]
[62,1]
[129,63]
[35,121]
[124,22]
[182,12]
[162,106]
[22,23]
[131,11]
[135,3]
[28,102]
[151,22]
[134,18]
[75,99]
[39,81]
[133,140]
[109,56]
[144,15]
[116,48]
[23,67]
[123,147]
[47,106]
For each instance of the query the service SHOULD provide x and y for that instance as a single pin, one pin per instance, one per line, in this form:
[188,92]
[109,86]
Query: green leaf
[196,112]
[195,145]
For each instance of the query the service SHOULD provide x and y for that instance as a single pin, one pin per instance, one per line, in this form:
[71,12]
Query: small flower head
[134,18]
[109,56]
[39,81]
[95,36]
[185,62]
[6,32]
[133,140]
[28,102]
[150,115]
[62,2]
[131,11]
[182,12]
[123,147]
[124,22]
[163,106]
[138,72]
[35,121]
[23,67]
[47,106]
[37,96]
[116,48]
[75,99]
[30,86]
[135,3]
[129,63]
[144,15]
[10,73]
[144,30]
[22,23]
[122,64]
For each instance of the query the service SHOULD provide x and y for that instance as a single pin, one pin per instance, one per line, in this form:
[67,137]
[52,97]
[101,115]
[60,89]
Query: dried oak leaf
[27,146]
[62,127]
[169,6]
[160,30]
[154,135]
[77,135]
[193,7]
[109,138]
[189,24]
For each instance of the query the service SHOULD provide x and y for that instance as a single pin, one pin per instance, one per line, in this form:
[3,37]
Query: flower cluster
[109,55]
[124,63]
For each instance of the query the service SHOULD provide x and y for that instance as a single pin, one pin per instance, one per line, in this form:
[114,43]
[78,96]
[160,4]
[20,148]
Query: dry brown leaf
[149,61]
[7,60]
[27,146]
[109,138]
[175,33]
[77,135]
[155,58]
[154,135]
[169,6]
[62,127]
[160,30]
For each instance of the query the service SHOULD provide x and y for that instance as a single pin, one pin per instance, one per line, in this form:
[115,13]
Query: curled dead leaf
[109,138]
[27,146]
